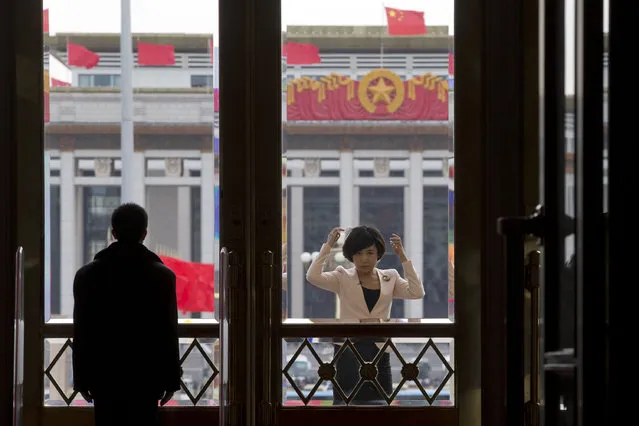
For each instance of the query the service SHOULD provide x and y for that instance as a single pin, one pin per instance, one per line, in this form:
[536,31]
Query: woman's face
[366,259]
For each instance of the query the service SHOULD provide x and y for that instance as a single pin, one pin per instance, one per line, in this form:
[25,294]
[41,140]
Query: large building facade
[345,162]
[367,139]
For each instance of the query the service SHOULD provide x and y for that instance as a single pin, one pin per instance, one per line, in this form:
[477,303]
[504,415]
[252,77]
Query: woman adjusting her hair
[365,294]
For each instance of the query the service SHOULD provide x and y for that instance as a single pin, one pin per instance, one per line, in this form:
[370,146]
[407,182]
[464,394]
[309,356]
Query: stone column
[68,242]
[296,280]
[414,226]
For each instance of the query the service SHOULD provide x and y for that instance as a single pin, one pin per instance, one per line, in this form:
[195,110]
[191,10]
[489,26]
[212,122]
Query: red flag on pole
[59,83]
[155,55]
[301,54]
[194,284]
[60,74]
[45,21]
[405,22]
[80,56]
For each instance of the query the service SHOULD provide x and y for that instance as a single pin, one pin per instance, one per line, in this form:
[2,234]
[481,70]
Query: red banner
[194,285]
[379,95]
[45,21]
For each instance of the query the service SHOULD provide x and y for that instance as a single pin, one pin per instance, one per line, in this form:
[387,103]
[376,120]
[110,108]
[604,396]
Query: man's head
[129,223]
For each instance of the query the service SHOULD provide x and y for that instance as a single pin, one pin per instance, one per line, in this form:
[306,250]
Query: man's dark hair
[362,237]
[129,223]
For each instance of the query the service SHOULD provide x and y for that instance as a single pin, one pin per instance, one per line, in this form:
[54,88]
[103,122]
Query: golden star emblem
[381,92]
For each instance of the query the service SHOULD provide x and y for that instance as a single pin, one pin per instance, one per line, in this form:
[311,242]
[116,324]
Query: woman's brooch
[385,277]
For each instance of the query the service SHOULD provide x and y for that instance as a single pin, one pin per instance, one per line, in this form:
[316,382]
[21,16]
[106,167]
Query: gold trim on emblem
[375,83]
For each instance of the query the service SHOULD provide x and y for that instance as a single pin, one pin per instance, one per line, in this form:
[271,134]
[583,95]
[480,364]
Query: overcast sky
[200,16]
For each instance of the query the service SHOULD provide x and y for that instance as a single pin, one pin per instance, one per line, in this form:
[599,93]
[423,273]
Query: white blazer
[345,283]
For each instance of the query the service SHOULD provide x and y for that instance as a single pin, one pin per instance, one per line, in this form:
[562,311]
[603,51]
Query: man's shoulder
[163,270]
[98,265]
[88,269]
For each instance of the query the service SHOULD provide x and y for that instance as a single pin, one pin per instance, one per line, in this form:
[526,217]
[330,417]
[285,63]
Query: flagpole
[382,34]
[126,99]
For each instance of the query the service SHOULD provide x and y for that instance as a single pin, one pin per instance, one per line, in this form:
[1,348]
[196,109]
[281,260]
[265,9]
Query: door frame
[492,132]
[621,261]
[489,129]
[581,364]
[22,198]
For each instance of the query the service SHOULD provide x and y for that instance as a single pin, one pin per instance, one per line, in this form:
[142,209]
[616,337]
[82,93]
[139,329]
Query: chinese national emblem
[381,87]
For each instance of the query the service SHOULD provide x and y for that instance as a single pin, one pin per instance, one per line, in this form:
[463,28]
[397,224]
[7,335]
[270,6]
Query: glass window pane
[436,249]
[201,81]
[85,80]
[383,208]
[103,80]
[367,122]
[321,212]
[172,157]
[98,204]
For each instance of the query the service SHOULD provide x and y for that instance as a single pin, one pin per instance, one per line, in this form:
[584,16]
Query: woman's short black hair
[362,237]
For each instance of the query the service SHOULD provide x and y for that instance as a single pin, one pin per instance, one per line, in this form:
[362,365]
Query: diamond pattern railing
[194,397]
[68,344]
[326,371]
[368,371]
[408,380]
[214,372]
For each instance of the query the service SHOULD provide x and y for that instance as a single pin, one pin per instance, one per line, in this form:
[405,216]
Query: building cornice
[405,129]
[570,99]
[110,42]
[327,38]
[161,90]
[354,38]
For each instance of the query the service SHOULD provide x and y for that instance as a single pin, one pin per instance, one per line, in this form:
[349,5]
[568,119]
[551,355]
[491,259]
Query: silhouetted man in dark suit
[125,343]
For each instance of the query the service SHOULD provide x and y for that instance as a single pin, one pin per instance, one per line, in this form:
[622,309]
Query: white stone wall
[104,107]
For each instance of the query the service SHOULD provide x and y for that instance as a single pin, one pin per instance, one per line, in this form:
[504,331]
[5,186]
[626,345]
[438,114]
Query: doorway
[400,161]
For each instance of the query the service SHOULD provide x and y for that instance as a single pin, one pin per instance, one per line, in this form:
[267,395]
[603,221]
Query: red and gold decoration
[379,95]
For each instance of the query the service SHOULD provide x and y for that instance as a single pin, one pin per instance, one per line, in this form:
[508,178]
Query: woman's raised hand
[333,236]
[398,247]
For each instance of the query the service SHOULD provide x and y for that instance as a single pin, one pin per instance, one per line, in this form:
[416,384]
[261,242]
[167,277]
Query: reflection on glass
[449,172]
[606,114]
[567,313]
[366,110]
